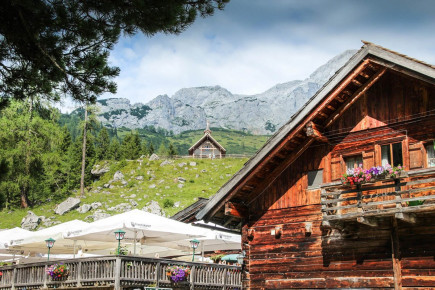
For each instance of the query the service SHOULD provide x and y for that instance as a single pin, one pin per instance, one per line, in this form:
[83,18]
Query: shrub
[168,203]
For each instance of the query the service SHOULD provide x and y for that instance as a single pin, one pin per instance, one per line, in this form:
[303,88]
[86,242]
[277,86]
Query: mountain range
[190,108]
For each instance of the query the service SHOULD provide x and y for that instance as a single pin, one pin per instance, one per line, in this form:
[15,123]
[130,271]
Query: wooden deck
[119,272]
[403,198]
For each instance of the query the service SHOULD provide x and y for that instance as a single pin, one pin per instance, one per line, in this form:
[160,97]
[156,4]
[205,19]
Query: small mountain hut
[207,146]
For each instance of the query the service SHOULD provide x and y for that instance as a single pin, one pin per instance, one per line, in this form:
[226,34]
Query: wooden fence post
[79,274]
[192,278]
[14,275]
[157,275]
[225,279]
[45,276]
[118,274]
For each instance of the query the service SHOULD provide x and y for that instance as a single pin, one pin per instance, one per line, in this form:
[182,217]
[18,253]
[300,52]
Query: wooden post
[225,279]
[117,274]
[395,250]
[157,275]
[14,275]
[79,274]
[192,278]
[45,276]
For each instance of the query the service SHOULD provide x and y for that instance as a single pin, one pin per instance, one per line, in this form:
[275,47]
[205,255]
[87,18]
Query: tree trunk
[82,178]
[25,187]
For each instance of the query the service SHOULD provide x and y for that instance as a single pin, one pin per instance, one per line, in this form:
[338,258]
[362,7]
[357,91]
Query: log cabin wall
[285,243]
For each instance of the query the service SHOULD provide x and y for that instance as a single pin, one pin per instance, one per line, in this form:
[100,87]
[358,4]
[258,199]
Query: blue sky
[254,44]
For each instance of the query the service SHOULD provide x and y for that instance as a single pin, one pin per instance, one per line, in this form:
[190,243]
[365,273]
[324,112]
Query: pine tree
[171,150]
[114,150]
[131,146]
[102,144]
[163,151]
[151,149]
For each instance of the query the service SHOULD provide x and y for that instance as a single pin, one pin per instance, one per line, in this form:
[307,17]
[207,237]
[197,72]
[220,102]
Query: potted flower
[1,275]
[177,273]
[58,272]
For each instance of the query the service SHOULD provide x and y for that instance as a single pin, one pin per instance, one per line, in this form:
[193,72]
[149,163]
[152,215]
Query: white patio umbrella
[212,240]
[35,241]
[7,236]
[139,225]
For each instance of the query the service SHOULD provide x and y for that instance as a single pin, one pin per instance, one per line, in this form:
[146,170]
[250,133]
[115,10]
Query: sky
[253,45]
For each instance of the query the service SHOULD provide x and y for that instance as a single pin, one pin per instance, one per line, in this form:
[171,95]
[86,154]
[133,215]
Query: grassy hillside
[160,183]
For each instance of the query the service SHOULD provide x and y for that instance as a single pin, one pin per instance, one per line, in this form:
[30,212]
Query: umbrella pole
[74,249]
[135,237]
[202,251]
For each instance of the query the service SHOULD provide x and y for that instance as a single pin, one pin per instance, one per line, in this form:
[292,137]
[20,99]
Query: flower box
[58,272]
[357,176]
[177,273]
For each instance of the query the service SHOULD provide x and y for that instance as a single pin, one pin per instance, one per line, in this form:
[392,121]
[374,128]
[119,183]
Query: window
[353,161]
[430,150]
[315,178]
[392,154]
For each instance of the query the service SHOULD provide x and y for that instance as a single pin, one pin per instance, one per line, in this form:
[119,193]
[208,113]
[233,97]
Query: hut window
[430,149]
[315,178]
[353,161]
[392,154]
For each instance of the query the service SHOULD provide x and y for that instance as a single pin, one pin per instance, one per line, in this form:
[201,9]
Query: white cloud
[248,48]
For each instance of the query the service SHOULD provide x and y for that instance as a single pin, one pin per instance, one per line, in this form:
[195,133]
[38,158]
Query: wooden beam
[367,221]
[363,74]
[406,217]
[314,131]
[356,82]
[355,97]
[396,256]
[236,210]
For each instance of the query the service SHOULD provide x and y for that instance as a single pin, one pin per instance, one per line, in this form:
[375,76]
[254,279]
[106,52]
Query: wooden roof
[338,94]
[187,215]
[207,136]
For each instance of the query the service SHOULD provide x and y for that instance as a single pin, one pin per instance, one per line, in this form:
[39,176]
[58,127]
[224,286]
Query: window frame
[317,186]
[425,156]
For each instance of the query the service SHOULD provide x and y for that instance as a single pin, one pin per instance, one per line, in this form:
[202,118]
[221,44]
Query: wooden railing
[412,193]
[119,272]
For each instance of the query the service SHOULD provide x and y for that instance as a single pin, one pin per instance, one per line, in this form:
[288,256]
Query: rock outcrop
[69,204]
[31,221]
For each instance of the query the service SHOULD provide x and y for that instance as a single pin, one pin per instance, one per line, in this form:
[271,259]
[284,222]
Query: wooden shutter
[415,156]
[335,168]
[368,159]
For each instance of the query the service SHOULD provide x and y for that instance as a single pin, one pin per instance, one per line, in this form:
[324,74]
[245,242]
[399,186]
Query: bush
[168,203]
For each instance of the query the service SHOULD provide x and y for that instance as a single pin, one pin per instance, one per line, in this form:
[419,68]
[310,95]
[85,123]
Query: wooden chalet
[207,146]
[301,228]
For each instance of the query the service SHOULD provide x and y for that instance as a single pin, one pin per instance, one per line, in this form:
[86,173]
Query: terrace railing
[411,193]
[120,272]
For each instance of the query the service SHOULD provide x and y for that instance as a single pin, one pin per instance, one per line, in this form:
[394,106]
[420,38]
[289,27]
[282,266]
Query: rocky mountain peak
[189,108]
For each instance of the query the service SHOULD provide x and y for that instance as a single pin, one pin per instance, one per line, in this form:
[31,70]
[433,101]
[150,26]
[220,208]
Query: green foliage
[270,126]
[102,144]
[140,112]
[168,203]
[114,151]
[31,151]
[107,115]
[52,47]
[171,150]
[131,146]
[163,151]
